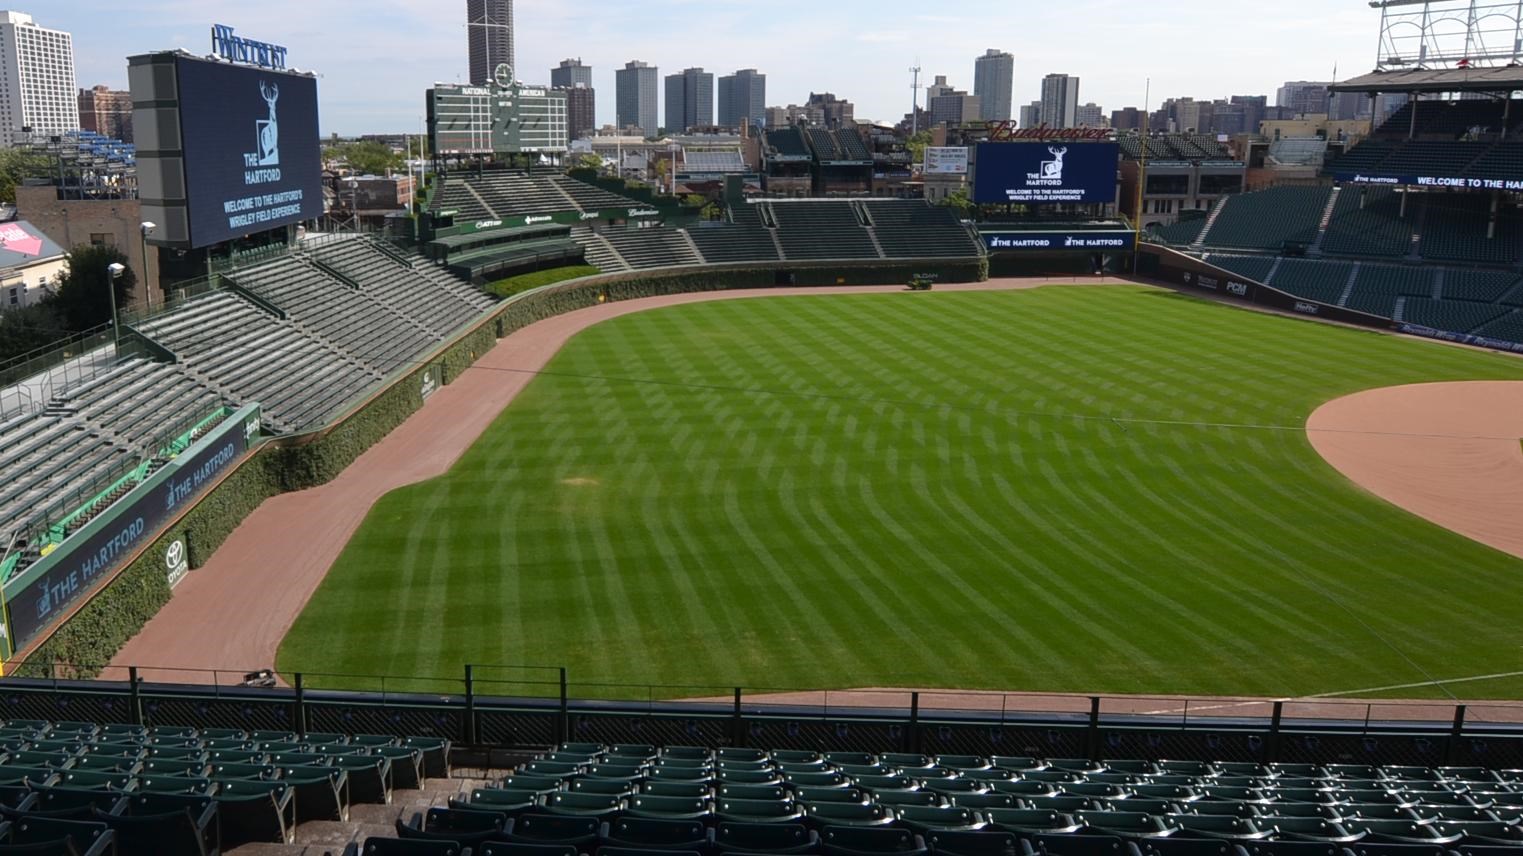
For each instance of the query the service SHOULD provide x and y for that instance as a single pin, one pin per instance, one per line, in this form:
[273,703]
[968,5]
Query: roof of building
[1498,79]
[22,244]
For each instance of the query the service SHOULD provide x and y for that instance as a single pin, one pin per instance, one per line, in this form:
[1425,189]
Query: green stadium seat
[583,804]
[676,789]
[322,793]
[369,777]
[979,802]
[642,751]
[692,753]
[1023,821]
[609,787]
[1223,826]
[655,833]
[1308,829]
[86,838]
[1176,845]
[757,811]
[894,799]
[409,847]
[406,765]
[777,839]
[856,814]
[1077,845]
[522,782]
[165,823]
[873,783]
[255,810]
[669,807]
[953,842]
[615,771]
[435,755]
[507,848]
[922,818]
[837,840]
[806,795]
[245,771]
[552,829]
[1128,824]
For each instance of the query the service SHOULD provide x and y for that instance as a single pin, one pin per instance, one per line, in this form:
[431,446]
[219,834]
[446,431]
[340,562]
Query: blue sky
[377,57]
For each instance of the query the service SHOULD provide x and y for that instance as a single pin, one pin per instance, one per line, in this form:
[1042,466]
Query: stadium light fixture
[146,228]
[115,269]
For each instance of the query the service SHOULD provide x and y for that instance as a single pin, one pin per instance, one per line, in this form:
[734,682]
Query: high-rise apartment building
[489,34]
[742,98]
[1060,100]
[993,79]
[581,111]
[1031,114]
[1089,115]
[689,100]
[954,107]
[37,91]
[1303,96]
[107,112]
[571,73]
[635,96]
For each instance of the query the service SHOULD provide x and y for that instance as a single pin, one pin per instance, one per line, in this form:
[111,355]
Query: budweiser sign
[1004,131]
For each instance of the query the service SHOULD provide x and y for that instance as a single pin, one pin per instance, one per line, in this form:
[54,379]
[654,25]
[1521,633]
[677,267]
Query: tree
[959,201]
[17,164]
[82,300]
[585,160]
[366,157]
[916,145]
[29,328]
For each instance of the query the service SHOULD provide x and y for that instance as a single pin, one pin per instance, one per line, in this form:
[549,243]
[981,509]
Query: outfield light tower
[145,229]
[914,100]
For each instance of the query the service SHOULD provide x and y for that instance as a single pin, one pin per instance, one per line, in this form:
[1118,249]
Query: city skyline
[364,89]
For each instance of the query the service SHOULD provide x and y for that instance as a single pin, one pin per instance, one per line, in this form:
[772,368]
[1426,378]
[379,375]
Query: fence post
[912,735]
[562,722]
[300,717]
[470,706]
[134,697]
[1092,740]
[737,724]
[1455,735]
[1272,752]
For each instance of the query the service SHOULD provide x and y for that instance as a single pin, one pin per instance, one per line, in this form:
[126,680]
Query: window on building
[102,239]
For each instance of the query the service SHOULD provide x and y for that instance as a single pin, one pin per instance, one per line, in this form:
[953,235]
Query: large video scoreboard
[224,150]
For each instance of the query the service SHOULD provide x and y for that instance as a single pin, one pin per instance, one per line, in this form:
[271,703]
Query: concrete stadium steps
[497,194]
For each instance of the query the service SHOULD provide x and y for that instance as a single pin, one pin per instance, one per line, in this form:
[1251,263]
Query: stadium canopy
[1503,79]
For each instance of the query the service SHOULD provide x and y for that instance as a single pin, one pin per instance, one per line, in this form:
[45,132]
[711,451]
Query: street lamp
[146,228]
[116,269]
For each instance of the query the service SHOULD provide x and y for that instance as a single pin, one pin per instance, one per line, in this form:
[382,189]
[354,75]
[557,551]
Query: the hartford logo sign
[1051,171]
[1059,241]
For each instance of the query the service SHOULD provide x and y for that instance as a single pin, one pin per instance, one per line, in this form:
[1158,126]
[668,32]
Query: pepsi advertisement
[250,143]
[1045,173]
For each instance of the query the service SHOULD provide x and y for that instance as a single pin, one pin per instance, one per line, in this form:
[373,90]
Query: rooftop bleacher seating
[822,230]
[1450,118]
[720,160]
[850,144]
[255,357]
[788,142]
[499,194]
[1269,219]
[1366,221]
[909,228]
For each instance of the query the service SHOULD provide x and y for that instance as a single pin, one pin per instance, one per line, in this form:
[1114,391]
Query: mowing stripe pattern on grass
[1040,490]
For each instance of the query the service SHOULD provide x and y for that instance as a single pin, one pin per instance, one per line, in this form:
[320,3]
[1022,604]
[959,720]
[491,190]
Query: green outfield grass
[1075,489]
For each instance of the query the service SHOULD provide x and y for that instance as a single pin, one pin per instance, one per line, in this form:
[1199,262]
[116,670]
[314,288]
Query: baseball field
[1067,489]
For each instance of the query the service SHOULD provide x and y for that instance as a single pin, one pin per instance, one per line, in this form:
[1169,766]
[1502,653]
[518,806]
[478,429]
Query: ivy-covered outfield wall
[89,638]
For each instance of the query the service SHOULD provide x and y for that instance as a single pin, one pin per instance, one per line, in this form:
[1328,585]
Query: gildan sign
[1045,173]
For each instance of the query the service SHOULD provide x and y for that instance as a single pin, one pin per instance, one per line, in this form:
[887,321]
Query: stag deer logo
[1052,169]
[267,131]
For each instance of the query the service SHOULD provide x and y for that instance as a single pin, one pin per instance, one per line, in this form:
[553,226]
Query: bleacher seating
[714,159]
[1483,286]
[254,356]
[652,247]
[1378,287]
[909,228]
[503,193]
[1454,228]
[1450,118]
[822,230]
[45,455]
[1509,327]
[639,800]
[1181,233]
[354,320]
[849,143]
[1367,221]
[728,242]
[1456,316]
[1256,268]
[823,144]
[406,283]
[1314,280]
[1174,147]
[1269,219]
[597,251]
[788,142]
